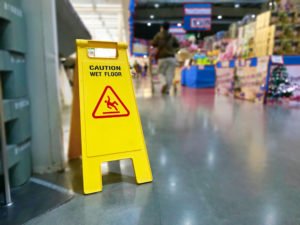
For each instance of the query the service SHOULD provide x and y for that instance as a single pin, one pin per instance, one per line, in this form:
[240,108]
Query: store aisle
[214,161]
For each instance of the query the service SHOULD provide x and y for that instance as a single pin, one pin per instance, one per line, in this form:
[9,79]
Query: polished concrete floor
[215,161]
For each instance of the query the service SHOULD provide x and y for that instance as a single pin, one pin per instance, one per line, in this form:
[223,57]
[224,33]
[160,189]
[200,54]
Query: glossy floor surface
[215,161]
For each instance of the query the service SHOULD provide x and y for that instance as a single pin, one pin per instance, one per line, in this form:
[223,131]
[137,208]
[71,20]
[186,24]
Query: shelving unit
[15,114]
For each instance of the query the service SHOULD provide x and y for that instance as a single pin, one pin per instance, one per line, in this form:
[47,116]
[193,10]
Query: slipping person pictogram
[110,104]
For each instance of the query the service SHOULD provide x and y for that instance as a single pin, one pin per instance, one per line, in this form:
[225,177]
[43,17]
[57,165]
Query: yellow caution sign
[109,119]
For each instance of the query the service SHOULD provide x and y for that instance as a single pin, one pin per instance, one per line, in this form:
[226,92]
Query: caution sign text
[106,71]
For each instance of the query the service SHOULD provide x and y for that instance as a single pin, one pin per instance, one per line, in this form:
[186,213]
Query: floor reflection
[215,160]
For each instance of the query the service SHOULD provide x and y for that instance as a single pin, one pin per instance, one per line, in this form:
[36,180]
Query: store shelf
[15,81]
[18,163]
[13,109]
[12,35]
[291,59]
[18,129]
[5,64]
[14,92]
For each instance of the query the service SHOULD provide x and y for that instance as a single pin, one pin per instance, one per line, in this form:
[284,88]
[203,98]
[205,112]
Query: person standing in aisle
[138,69]
[167,46]
[145,70]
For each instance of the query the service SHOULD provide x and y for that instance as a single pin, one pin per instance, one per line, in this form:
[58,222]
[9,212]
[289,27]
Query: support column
[43,78]
[125,17]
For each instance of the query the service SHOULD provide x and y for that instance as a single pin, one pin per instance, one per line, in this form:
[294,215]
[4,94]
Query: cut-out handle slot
[104,53]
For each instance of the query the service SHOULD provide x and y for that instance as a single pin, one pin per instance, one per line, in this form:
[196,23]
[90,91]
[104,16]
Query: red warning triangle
[110,105]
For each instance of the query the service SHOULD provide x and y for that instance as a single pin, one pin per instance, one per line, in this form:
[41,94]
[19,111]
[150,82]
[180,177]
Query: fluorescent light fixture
[220,17]
[156,5]
[82,5]
[237,5]
[179,24]
[151,16]
[149,24]
[89,16]
[105,5]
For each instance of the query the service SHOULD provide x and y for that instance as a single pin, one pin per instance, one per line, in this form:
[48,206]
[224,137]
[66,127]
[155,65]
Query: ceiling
[199,1]
[173,12]
[108,19]
[69,28]
[104,18]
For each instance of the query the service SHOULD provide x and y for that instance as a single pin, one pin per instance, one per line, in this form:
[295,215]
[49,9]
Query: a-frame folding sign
[109,119]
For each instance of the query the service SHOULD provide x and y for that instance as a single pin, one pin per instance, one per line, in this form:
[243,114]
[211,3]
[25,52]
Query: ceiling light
[145,56]
[110,6]
[179,24]
[220,17]
[149,24]
[270,3]
[253,16]
[156,5]
[237,5]
[151,16]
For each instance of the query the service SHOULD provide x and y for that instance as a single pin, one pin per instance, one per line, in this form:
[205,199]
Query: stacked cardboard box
[240,42]
[286,33]
[297,5]
[263,34]
[246,35]
[233,30]
[249,36]
[277,33]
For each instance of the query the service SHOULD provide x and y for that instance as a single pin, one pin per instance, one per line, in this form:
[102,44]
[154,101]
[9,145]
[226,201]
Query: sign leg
[92,176]
[141,167]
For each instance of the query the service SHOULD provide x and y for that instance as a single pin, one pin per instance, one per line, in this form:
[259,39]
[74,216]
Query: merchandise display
[260,79]
[272,32]
[199,71]
[251,79]
[198,76]
[277,33]
[284,81]
[202,59]
[257,73]
[225,77]
[279,84]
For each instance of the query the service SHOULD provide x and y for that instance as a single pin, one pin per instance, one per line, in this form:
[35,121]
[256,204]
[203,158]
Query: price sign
[277,59]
